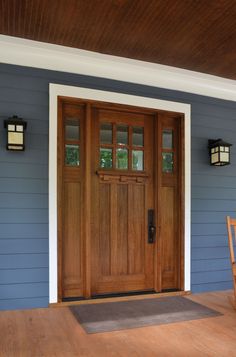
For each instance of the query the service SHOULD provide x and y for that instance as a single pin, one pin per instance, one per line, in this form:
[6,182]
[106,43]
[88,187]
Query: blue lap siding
[24,277]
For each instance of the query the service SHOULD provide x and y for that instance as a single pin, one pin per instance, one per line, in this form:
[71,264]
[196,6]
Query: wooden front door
[119,200]
[122,192]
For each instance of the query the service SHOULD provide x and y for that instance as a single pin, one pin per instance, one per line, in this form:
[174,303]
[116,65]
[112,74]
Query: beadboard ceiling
[198,35]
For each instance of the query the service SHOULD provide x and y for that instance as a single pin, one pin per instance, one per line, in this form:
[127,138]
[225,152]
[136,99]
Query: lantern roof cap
[15,120]
[217,142]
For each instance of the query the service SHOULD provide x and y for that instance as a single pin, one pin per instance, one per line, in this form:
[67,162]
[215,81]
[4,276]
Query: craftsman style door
[119,200]
[123,194]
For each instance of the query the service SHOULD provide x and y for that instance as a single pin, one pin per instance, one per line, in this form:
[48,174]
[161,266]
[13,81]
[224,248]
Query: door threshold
[128,297]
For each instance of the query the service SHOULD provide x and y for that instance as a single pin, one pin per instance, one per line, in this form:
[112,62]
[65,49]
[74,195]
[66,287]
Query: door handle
[151,227]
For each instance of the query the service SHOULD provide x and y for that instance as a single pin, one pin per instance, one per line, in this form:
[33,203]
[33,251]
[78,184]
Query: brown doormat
[112,316]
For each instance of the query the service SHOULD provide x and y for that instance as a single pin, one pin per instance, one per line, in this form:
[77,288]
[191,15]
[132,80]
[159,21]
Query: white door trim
[56,90]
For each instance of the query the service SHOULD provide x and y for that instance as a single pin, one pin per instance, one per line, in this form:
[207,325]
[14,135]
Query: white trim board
[56,90]
[66,59]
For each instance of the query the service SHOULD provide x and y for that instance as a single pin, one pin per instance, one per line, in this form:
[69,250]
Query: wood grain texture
[122,260]
[186,34]
[55,332]
[231,227]
[71,202]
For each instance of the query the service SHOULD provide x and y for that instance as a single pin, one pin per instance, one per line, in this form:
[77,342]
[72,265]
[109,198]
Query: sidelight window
[167,151]
[72,142]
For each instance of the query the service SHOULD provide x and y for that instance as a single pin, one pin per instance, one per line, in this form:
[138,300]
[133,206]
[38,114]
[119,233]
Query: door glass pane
[137,136]
[167,139]
[122,134]
[106,133]
[122,159]
[72,155]
[167,162]
[72,129]
[106,158]
[137,160]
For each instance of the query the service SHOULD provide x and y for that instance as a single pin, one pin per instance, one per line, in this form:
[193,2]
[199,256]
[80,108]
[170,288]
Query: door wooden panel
[72,247]
[71,200]
[169,241]
[170,203]
[122,259]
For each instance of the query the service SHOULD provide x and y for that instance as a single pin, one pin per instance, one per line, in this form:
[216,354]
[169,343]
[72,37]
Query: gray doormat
[112,316]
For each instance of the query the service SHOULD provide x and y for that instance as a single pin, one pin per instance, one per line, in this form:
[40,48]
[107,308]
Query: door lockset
[151,227]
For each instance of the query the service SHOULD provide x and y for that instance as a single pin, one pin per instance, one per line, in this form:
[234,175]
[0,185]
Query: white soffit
[66,59]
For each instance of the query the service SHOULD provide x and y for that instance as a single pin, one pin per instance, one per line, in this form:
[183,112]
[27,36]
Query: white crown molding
[66,59]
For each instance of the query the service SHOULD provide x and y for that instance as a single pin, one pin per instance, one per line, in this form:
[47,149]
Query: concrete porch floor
[55,332]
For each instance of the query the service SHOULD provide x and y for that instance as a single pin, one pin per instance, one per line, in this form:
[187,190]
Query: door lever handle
[151,234]
[151,227]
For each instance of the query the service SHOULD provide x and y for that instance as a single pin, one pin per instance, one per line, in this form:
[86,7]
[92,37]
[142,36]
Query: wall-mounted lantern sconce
[15,133]
[219,152]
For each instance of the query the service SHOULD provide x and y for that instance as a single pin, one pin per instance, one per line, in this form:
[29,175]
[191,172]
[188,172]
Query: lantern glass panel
[222,148]
[214,158]
[15,138]
[19,128]
[226,149]
[11,127]
[224,156]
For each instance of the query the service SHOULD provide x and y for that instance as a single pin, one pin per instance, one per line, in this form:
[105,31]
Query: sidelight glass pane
[105,158]
[122,134]
[72,155]
[122,159]
[137,160]
[106,133]
[137,136]
[167,139]
[72,129]
[167,162]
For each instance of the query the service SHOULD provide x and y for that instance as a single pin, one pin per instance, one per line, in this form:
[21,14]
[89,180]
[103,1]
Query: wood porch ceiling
[196,35]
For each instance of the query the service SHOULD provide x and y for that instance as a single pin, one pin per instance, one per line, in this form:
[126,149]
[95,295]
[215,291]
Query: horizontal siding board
[213,193]
[213,180]
[19,185]
[24,303]
[23,261]
[24,96]
[206,169]
[26,171]
[37,126]
[37,141]
[11,215]
[24,200]
[21,276]
[26,111]
[9,80]
[214,121]
[209,133]
[29,290]
[211,277]
[27,230]
[205,265]
[221,285]
[205,228]
[209,241]
[211,217]
[213,205]
[210,253]
[26,157]
[23,246]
